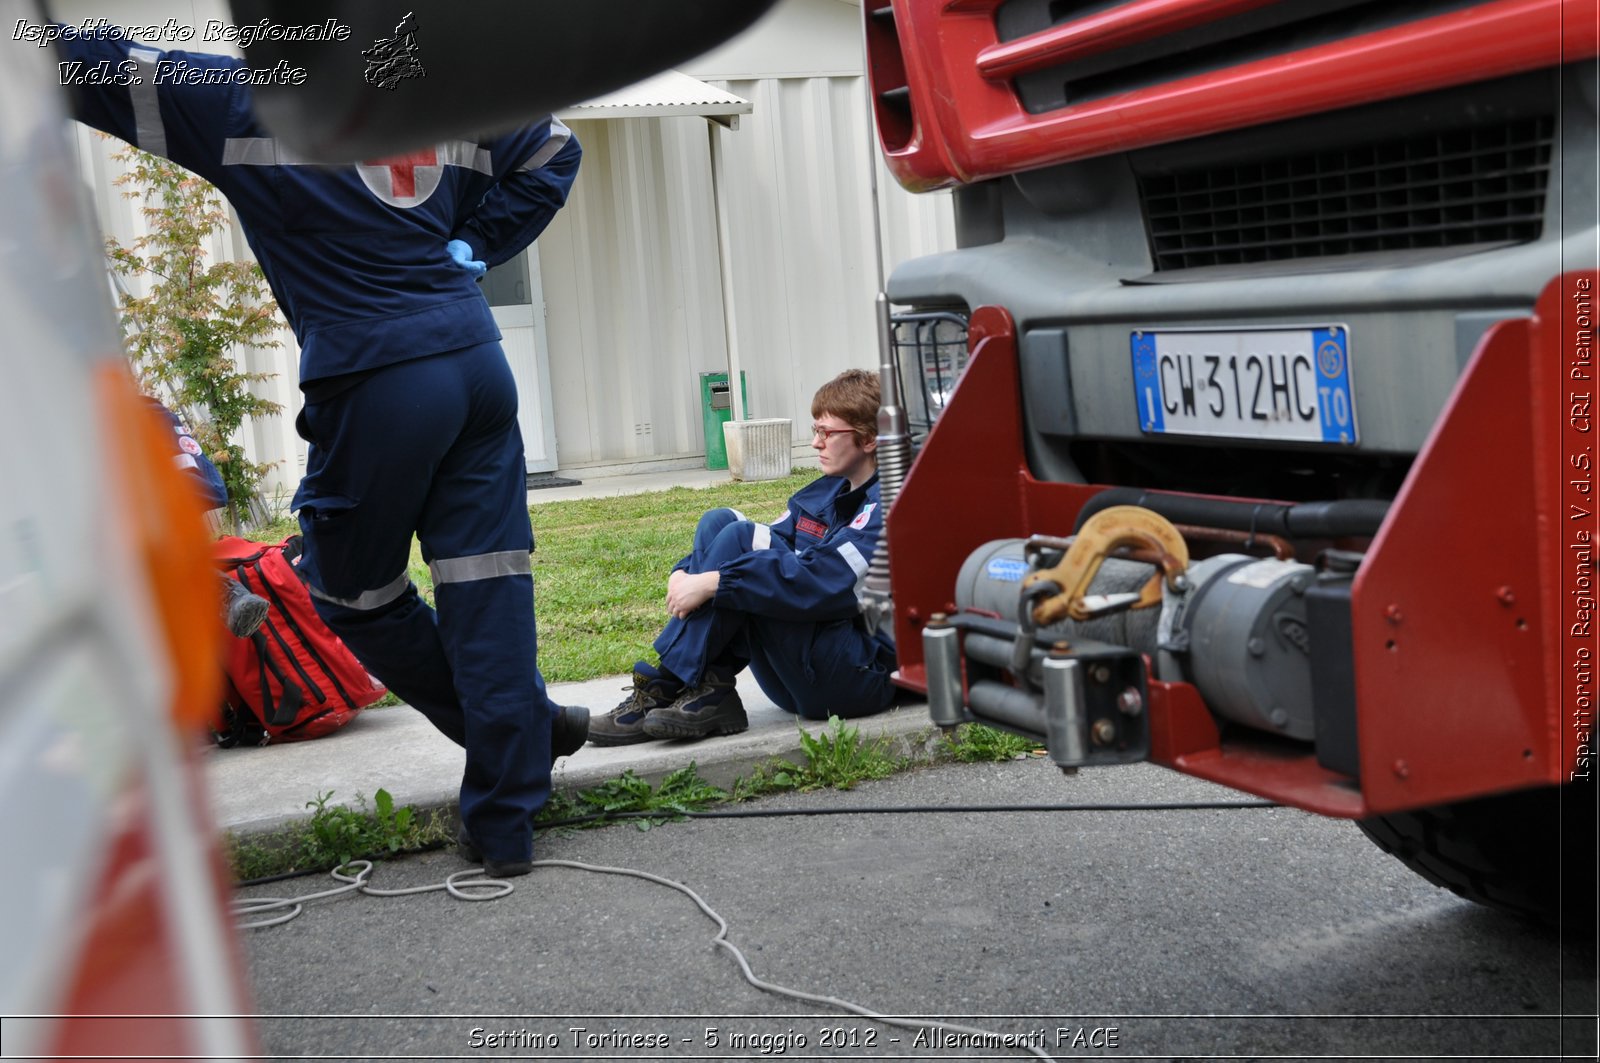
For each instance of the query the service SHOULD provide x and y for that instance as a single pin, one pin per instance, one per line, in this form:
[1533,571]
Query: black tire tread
[1530,852]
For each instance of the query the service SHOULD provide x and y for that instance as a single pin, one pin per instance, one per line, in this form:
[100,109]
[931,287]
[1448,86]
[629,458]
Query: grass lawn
[600,568]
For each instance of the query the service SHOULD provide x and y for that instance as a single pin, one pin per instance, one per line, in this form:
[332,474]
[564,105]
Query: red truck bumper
[1474,641]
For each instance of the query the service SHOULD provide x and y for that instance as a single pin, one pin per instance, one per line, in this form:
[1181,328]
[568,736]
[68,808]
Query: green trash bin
[716,407]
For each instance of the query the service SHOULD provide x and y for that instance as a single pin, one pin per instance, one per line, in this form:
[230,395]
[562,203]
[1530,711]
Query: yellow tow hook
[1130,532]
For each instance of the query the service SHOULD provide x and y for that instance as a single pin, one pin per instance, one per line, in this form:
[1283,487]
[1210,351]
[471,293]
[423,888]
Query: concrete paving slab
[259,790]
[632,484]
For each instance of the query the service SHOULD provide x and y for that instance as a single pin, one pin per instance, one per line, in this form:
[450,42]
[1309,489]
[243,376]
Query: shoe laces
[639,701]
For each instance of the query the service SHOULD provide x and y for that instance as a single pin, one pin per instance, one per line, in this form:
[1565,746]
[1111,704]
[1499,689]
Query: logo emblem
[814,528]
[405,180]
[1330,359]
[1006,569]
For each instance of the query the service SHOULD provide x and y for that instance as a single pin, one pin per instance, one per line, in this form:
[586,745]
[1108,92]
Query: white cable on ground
[494,889]
[485,889]
[721,939]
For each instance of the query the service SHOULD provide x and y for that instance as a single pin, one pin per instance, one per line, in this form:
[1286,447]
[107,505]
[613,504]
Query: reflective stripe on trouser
[431,446]
[813,669]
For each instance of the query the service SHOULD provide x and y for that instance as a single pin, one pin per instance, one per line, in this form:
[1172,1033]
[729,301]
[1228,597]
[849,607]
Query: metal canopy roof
[665,95]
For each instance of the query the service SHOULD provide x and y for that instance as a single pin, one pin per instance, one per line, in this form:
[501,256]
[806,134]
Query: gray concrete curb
[721,761]
[262,791]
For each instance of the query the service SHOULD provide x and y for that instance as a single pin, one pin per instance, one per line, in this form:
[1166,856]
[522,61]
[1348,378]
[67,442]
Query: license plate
[1270,384]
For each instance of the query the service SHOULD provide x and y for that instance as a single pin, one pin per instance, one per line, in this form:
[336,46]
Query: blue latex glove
[461,251]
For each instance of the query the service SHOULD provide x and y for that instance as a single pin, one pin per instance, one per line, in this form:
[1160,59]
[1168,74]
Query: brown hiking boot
[624,725]
[712,708]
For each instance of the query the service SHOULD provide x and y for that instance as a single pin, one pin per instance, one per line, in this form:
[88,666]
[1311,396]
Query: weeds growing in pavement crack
[837,757]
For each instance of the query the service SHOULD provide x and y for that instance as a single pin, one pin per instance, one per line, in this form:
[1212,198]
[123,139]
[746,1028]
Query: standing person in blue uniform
[410,407]
[780,598]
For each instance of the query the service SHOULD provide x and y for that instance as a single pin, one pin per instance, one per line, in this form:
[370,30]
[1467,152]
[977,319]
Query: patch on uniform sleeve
[187,444]
[814,528]
[864,516]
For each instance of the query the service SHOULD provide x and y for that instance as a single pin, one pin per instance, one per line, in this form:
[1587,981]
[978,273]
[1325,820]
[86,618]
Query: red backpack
[293,679]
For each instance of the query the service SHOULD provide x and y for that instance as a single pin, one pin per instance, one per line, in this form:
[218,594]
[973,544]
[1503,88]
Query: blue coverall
[786,603]
[410,407]
[191,459]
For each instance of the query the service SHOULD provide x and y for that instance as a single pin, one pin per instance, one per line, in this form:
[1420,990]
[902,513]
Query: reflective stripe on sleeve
[147,125]
[559,135]
[464,153]
[761,538]
[853,558]
[369,600]
[480,566]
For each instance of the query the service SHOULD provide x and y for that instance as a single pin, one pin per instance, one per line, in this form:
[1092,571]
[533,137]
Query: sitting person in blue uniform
[242,611]
[410,410]
[779,598]
[190,457]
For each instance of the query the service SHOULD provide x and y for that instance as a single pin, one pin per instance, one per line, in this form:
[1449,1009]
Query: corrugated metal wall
[632,280]
[632,294]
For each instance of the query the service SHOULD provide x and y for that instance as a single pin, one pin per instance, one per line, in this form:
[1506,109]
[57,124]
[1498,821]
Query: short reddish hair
[854,397]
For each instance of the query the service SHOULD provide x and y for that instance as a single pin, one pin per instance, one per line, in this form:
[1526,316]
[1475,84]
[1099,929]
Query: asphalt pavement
[1227,933]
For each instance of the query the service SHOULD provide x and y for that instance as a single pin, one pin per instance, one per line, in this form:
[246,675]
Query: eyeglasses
[824,433]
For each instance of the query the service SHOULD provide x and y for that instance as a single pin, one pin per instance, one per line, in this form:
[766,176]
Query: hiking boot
[568,730]
[245,612]
[712,708]
[469,852]
[624,725]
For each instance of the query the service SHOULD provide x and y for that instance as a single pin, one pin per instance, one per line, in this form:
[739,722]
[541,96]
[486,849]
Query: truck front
[1274,459]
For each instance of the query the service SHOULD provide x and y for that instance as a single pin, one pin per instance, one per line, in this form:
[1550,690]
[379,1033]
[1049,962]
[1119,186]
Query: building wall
[795,38]
[633,268]
[633,300]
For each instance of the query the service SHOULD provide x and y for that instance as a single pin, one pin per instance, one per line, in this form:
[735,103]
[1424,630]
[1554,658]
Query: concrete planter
[758,450]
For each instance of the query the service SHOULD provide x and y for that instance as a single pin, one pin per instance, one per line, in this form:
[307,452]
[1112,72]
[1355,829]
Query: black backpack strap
[284,713]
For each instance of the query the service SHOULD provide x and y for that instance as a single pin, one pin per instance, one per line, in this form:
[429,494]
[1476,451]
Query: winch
[1053,636]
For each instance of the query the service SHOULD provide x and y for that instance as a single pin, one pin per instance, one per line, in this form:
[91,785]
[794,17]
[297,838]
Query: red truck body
[1418,178]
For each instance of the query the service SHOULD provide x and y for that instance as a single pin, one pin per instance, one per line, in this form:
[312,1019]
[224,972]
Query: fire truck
[1273,461]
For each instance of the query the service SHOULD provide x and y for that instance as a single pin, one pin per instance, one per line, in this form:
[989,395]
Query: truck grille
[1479,185]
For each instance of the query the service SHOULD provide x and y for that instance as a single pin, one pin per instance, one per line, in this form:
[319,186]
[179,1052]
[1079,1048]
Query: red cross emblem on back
[403,180]
[403,170]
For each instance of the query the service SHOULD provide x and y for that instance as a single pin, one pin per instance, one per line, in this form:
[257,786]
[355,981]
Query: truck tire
[1531,852]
